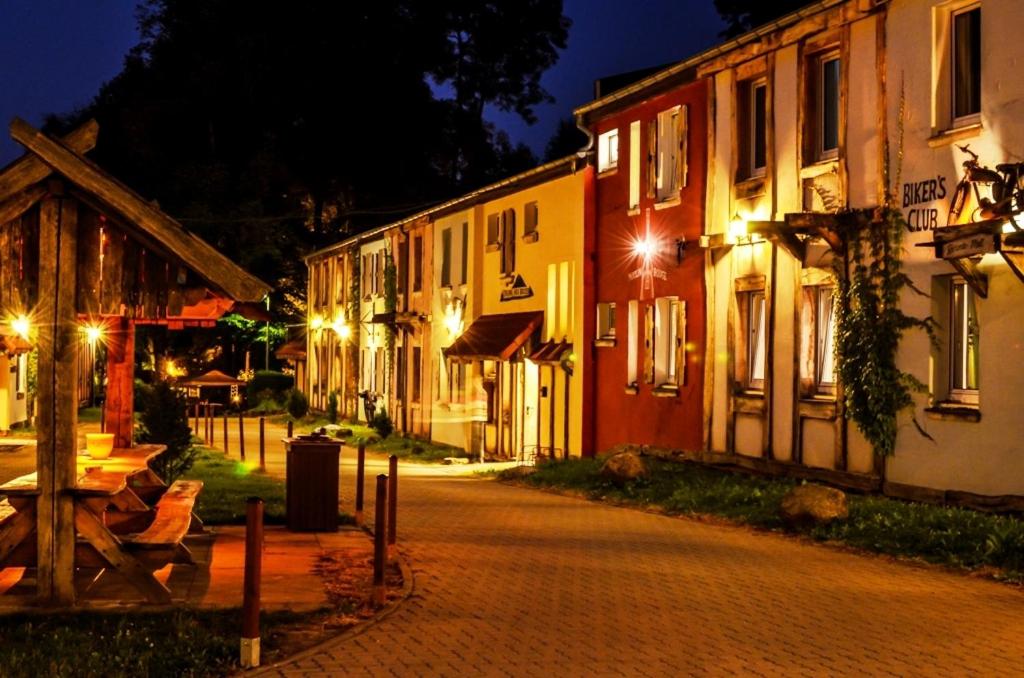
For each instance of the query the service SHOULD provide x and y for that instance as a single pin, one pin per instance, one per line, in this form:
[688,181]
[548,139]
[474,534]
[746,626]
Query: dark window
[403,266]
[446,257]
[493,230]
[967,63]
[465,253]
[758,106]
[417,263]
[416,374]
[828,107]
[508,241]
[530,218]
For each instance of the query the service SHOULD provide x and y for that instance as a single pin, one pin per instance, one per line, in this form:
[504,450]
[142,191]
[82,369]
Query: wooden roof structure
[213,378]
[76,244]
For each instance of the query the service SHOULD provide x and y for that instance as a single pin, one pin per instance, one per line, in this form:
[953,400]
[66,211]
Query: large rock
[623,467]
[809,505]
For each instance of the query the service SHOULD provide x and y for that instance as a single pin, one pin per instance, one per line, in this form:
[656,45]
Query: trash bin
[311,483]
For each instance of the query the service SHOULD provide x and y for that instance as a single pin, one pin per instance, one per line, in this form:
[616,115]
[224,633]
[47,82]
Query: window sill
[531,237]
[633,211]
[604,342]
[665,203]
[818,407]
[493,247]
[750,187]
[946,137]
[818,167]
[609,172]
[666,391]
[953,412]
[632,389]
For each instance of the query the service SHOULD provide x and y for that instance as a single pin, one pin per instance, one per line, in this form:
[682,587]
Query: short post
[263,443]
[380,541]
[241,436]
[250,647]
[208,425]
[225,430]
[195,427]
[392,505]
[289,428]
[360,478]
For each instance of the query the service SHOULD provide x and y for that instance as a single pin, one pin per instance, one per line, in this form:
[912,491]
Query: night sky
[55,54]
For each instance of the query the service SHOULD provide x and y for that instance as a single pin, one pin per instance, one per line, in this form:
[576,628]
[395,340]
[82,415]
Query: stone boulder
[810,505]
[623,467]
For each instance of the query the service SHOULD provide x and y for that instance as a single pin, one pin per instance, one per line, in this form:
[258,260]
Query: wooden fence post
[392,505]
[195,425]
[263,443]
[289,428]
[360,482]
[241,436]
[225,429]
[380,541]
[250,647]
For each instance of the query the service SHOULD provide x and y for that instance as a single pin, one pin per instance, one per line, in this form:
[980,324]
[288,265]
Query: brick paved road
[517,582]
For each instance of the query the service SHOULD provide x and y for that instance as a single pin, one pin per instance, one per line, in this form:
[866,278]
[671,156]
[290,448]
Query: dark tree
[567,139]
[741,16]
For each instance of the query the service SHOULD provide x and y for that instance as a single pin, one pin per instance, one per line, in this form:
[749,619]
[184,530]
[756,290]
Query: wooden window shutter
[652,158]
[680,347]
[683,133]
[649,343]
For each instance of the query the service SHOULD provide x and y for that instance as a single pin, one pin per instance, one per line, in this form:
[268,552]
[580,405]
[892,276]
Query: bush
[382,424]
[297,404]
[332,407]
[164,421]
[269,380]
[142,390]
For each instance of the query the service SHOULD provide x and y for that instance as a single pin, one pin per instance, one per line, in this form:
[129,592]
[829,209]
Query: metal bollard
[250,647]
[241,436]
[263,443]
[392,505]
[380,541]
[360,481]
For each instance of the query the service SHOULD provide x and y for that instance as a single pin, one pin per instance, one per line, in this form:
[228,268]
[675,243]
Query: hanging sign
[517,289]
[969,246]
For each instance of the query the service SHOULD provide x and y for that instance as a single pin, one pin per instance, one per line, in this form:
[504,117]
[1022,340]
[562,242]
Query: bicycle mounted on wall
[1004,187]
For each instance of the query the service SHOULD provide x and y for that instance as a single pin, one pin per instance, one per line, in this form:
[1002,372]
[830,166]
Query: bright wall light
[341,329]
[737,228]
[316,322]
[93,333]
[21,325]
[642,247]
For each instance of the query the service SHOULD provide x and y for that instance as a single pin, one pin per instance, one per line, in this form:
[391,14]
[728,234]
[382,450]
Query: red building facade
[646,293]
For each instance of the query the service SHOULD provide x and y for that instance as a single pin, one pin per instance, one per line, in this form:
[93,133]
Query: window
[530,218]
[668,156]
[508,242]
[493,232]
[339,281]
[416,353]
[753,346]
[966,61]
[608,151]
[417,263]
[465,253]
[753,128]
[634,165]
[817,364]
[20,365]
[446,257]
[606,320]
[403,266]
[669,337]
[456,381]
[378,371]
[963,344]
[633,340]
[824,81]
[365,273]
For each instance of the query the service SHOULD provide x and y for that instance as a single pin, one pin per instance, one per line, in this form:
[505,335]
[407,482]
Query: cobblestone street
[511,581]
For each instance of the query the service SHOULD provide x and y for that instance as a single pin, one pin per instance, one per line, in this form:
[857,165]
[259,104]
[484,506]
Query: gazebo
[211,379]
[77,249]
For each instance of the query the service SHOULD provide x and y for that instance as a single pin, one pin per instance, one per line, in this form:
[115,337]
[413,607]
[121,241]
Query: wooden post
[241,436]
[58,412]
[251,593]
[289,428]
[195,424]
[263,443]
[118,406]
[360,478]
[208,424]
[392,504]
[225,429]
[380,541]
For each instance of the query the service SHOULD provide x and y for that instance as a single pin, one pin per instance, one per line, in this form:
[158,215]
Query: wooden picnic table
[113,518]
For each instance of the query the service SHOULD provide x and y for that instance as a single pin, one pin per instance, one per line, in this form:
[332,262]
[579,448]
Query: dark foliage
[741,16]
[268,380]
[381,423]
[566,140]
[332,407]
[165,421]
[297,405]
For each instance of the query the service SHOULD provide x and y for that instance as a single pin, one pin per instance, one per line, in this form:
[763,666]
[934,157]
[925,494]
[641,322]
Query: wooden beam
[118,417]
[198,255]
[16,530]
[1015,260]
[782,235]
[29,169]
[18,204]
[57,418]
[971,275]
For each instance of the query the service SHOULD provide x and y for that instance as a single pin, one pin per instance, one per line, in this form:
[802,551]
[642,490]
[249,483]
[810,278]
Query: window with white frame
[753,340]
[817,364]
[964,335]
[669,337]
[632,345]
[753,132]
[608,150]
[824,73]
[965,27]
[634,165]
[606,320]
[668,153]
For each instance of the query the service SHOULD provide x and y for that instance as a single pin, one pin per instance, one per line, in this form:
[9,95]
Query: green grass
[406,448]
[227,484]
[179,643]
[949,536]
[89,415]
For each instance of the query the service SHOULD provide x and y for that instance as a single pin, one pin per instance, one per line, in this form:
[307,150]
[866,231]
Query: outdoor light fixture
[453,318]
[21,325]
[93,333]
[316,322]
[343,331]
[737,228]
[642,247]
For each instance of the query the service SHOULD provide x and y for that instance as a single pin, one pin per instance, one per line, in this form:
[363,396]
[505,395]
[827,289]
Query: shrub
[142,390]
[269,380]
[164,421]
[382,424]
[332,407]
[297,404]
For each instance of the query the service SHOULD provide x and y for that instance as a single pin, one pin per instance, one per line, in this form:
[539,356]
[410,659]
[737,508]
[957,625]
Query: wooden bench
[161,542]
[6,511]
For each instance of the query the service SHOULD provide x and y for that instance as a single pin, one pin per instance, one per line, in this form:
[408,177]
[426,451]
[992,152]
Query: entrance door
[531,408]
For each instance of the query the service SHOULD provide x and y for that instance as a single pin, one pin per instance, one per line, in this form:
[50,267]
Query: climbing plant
[870,323]
[390,305]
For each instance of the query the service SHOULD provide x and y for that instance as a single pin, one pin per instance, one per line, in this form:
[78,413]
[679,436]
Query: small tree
[165,422]
[297,404]
[382,424]
[332,407]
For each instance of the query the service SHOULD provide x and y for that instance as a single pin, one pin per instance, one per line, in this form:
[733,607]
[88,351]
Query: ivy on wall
[870,323]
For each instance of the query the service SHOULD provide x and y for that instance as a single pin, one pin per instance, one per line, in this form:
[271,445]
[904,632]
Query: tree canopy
[741,16]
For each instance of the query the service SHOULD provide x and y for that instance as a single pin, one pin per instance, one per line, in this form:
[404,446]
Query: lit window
[966,60]
[606,320]
[817,366]
[632,343]
[634,164]
[669,335]
[963,344]
[669,153]
[608,151]
[753,130]
[755,335]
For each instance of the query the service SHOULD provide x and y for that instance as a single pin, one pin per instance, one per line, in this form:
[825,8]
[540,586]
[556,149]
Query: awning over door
[495,337]
[550,352]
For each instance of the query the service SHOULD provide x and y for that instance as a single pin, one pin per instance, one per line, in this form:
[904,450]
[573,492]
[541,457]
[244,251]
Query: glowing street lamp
[316,322]
[21,325]
[93,333]
[737,228]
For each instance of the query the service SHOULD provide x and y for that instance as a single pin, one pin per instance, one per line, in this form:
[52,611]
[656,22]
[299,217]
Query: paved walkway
[517,582]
